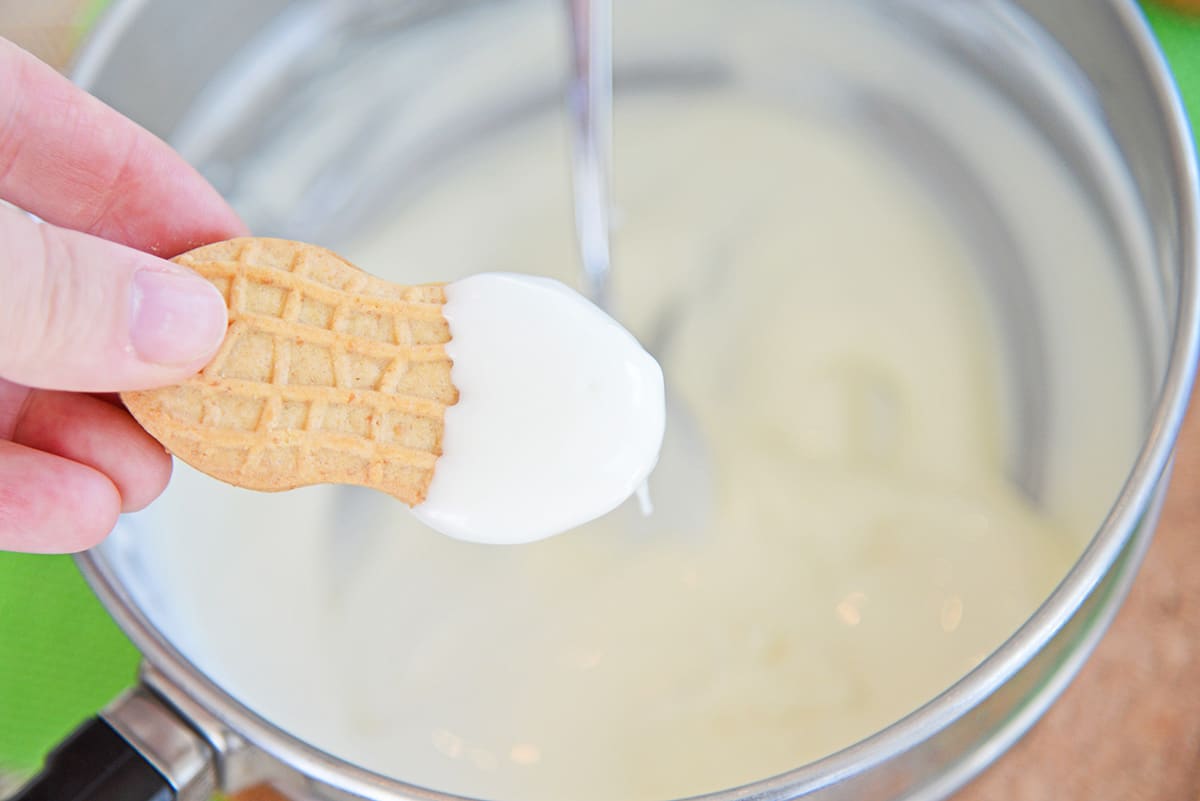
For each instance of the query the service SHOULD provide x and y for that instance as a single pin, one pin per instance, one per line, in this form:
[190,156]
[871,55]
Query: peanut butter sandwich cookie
[330,375]
[326,374]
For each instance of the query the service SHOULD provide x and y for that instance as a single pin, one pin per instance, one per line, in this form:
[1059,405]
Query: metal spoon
[590,106]
[589,102]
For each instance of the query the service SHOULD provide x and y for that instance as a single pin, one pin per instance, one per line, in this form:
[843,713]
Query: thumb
[83,314]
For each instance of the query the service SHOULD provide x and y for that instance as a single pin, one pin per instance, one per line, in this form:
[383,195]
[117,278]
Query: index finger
[75,162]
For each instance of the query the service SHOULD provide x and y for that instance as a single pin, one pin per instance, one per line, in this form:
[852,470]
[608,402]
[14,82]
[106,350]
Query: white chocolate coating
[560,414]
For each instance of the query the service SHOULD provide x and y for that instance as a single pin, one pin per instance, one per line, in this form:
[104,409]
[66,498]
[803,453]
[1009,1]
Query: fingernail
[177,318]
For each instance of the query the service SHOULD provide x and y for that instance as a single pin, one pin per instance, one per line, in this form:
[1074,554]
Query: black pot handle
[96,764]
[138,749]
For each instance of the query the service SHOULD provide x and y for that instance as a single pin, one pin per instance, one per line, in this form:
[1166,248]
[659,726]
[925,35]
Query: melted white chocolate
[834,541]
[559,417]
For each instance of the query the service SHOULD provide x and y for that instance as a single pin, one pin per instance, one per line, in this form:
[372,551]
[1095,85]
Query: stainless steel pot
[1109,72]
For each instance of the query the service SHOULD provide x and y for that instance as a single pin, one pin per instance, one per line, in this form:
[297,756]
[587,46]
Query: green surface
[61,658]
[89,13]
[1180,39]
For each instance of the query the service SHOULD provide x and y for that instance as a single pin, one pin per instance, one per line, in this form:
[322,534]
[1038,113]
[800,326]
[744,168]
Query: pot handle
[96,764]
[138,749]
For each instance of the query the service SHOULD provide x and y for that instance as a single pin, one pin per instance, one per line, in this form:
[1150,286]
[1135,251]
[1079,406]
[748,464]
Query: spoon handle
[589,104]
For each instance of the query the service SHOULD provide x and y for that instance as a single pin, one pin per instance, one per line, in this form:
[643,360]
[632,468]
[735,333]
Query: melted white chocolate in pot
[833,541]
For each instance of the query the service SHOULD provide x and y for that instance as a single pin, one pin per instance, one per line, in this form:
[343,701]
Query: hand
[85,310]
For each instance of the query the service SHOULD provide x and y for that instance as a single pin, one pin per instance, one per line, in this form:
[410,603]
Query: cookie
[326,375]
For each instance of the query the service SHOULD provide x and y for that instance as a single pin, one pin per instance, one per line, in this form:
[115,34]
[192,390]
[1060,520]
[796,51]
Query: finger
[89,431]
[77,163]
[49,504]
[111,398]
[13,398]
[82,314]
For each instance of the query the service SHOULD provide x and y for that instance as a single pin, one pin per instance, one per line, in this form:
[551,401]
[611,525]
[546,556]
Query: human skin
[89,306]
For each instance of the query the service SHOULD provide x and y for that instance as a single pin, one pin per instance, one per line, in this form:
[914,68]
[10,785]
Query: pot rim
[1137,496]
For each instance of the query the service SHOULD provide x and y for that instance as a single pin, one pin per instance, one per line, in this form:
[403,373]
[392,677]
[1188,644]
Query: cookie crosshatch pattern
[326,374]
